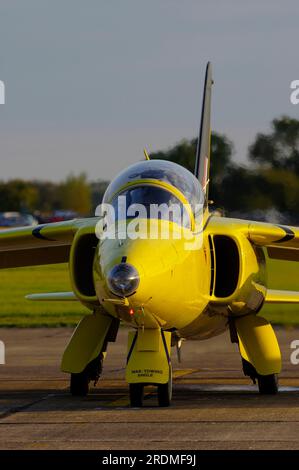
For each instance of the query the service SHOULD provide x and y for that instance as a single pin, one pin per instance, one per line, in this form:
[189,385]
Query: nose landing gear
[148,363]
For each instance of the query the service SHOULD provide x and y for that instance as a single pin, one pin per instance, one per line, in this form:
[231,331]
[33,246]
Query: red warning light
[131,311]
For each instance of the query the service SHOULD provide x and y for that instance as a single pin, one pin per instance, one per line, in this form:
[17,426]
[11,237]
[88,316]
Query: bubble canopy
[159,170]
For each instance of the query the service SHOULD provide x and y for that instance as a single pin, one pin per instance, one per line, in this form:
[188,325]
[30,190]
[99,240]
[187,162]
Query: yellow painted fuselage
[179,286]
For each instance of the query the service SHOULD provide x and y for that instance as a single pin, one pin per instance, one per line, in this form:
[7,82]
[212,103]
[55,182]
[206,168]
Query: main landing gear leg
[259,349]
[86,350]
[148,363]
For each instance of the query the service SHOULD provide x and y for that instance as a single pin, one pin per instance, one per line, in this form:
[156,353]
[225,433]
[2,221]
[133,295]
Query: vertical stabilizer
[202,162]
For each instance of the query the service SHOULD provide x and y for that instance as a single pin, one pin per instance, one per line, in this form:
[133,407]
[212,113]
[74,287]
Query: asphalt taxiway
[214,406]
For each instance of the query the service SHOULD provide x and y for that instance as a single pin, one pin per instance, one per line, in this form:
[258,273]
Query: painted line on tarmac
[181,372]
[18,409]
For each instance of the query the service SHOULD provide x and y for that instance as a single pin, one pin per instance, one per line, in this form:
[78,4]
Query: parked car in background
[16,219]
[56,216]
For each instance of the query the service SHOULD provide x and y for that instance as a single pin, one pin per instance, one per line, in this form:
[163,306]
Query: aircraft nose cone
[123,279]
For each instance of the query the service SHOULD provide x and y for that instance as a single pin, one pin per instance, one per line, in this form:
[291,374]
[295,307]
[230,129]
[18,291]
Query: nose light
[123,279]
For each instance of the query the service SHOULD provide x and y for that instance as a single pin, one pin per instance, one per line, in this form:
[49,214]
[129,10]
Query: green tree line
[75,193]
[269,181]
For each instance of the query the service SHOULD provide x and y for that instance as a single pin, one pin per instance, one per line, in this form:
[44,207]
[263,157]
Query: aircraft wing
[281,243]
[43,244]
[274,296]
[275,236]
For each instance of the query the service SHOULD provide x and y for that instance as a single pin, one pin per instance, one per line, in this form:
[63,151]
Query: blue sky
[88,84]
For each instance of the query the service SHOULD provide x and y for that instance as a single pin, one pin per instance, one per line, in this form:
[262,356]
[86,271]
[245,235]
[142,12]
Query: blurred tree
[244,190]
[18,195]
[48,196]
[273,182]
[280,148]
[284,189]
[75,194]
[98,189]
[184,152]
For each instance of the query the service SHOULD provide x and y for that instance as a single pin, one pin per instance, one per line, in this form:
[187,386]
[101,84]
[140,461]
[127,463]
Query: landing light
[123,279]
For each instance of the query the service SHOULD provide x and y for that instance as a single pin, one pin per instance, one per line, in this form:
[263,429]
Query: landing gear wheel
[268,384]
[79,384]
[136,395]
[165,392]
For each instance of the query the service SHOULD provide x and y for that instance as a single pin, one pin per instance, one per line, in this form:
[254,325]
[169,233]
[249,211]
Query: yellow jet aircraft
[167,288]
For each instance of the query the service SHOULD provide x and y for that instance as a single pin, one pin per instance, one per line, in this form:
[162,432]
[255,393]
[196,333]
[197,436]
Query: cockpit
[156,184]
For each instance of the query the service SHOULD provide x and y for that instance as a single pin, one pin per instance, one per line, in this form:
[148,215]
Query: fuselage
[174,281]
[190,280]
[181,288]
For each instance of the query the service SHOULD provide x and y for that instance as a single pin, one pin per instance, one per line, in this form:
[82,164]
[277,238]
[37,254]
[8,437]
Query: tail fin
[202,162]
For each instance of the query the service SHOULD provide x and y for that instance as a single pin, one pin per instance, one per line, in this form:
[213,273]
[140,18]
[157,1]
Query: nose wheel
[136,395]
[164,393]
[137,392]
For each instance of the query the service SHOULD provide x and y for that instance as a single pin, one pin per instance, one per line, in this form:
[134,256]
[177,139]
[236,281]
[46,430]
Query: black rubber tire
[268,384]
[165,392]
[79,385]
[136,395]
